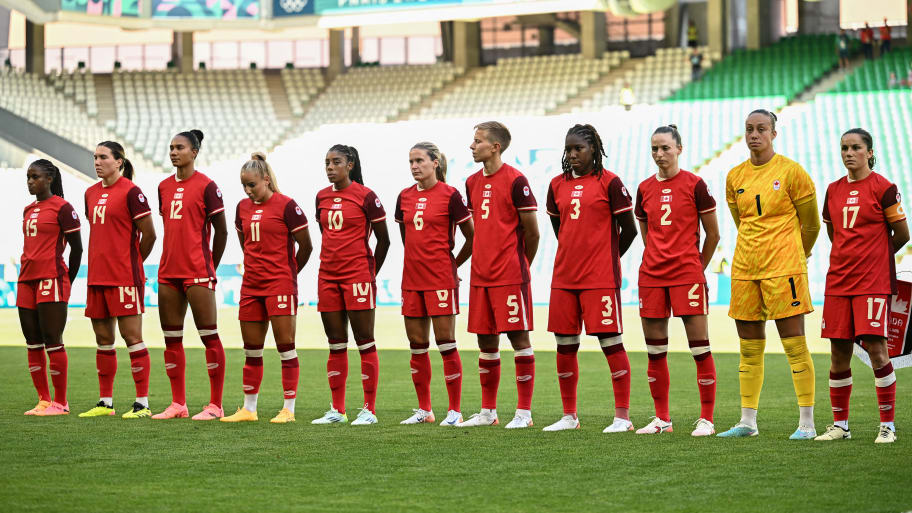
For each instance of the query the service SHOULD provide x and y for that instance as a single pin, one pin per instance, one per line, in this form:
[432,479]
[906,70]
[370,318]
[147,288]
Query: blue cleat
[804,433]
[739,430]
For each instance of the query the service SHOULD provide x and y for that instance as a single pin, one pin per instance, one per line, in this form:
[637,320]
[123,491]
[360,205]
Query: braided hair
[352,155]
[590,135]
[49,169]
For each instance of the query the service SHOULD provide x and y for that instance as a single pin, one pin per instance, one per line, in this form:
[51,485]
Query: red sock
[840,392]
[337,372]
[290,370]
[175,362]
[139,365]
[620,374]
[489,375]
[524,359]
[885,380]
[706,377]
[106,363]
[38,370]
[657,375]
[370,372]
[57,358]
[420,365]
[452,372]
[568,376]
[215,362]
[252,374]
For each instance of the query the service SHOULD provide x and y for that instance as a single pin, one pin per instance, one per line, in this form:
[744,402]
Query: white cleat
[656,426]
[885,436]
[331,417]
[619,426]
[704,428]
[420,417]
[453,418]
[485,417]
[364,418]
[565,422]
[522,419]
[834,432]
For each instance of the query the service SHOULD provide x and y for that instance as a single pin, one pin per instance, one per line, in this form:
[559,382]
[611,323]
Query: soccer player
[49,224]
[121,236]
[591,216]
[348,213]
[774,205]
[867,225]
[193,212]
[428,214]
[670,207]
[500,301]
[268,225]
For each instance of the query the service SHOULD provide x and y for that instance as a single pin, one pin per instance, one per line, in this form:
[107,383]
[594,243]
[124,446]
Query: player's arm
[305,247]
[555,224]
[402,233]
[735,213]
[468,231]
[900,234]
[383,242]
[219,237]
[553,211]
[896,218]
[240,235]
[627,228]
[809,219]
[147,235]
[75,243]
[711,228]
[531,235]
[644,228]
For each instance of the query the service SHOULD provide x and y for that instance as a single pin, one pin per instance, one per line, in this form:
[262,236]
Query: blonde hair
[257,164]
[497,133]
[434,153]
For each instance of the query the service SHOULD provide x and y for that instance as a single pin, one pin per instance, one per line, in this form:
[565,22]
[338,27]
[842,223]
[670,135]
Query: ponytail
[48,168]
[118,152]
[352,155]
[257,164]
[434,153]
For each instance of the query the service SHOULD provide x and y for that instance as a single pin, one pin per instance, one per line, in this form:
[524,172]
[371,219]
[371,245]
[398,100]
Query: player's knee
[752,350]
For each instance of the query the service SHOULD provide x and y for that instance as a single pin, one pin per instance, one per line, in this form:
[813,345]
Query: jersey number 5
[485,208]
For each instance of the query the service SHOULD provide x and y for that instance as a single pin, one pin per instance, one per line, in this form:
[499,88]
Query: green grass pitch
[73,464]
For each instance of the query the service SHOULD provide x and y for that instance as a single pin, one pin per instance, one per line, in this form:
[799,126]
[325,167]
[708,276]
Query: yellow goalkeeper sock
[802,369]
[750,371]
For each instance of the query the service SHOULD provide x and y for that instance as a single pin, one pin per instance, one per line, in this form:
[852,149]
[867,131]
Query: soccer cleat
[704,428]
[420,417]
[210,412]
[38,407]
[173,411]
[834,432]
[100,410]
[885,436]
[619,426]
[485,417]
[656,426]
[565,422]
[804,433]
[284,416]
[364,418]
[453,418]
[241,415]
[331,417]
[519,421]
[739,430]
[54,409]
[138,412]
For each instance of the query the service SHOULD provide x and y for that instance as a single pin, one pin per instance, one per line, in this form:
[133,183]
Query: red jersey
[345,220]
[861,259]
[270,268]
[671,210]
[44,224]
[588,256]
[114,258]
[430,217]
[187,208]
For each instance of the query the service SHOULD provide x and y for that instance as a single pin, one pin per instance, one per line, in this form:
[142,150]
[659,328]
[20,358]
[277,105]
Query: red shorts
[659,302]
[29,294]
[261,308]
[334,296]
[103,302]
[495,310]
[599,309]
[182,284]
[849,317]
[429,303]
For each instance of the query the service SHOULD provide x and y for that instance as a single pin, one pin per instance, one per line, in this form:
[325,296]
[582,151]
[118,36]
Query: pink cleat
[210,412]
[38,408]
[173,411]
[55,409]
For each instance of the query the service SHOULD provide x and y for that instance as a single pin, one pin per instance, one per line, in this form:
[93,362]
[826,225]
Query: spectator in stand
[893,82]
[693,37]
[867,41]
[886,38]
[842,48]
[696,64]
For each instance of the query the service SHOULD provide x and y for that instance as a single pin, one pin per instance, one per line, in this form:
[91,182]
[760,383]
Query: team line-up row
[771,199]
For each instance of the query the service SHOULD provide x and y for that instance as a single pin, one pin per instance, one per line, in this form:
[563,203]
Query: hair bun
[672,126]
[198,133]
[258,155]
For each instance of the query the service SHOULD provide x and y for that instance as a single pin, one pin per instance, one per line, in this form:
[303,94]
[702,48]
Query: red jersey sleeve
[550,204]
[295,219]
[68,219]
[826,209]
[459,213]
[161,207]
[619,197]
[522,194]
[373,208]
[704,201]
[212,198]
[137,203]
[469,196]
[237,218]
[398,215]
[639,211]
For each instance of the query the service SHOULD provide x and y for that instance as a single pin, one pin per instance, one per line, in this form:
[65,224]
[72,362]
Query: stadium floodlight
[650,6]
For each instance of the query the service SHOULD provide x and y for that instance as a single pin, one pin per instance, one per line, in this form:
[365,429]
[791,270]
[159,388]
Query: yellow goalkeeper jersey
[769,235]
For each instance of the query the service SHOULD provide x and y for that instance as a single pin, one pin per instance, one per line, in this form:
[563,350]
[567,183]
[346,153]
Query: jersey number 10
[334,220]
